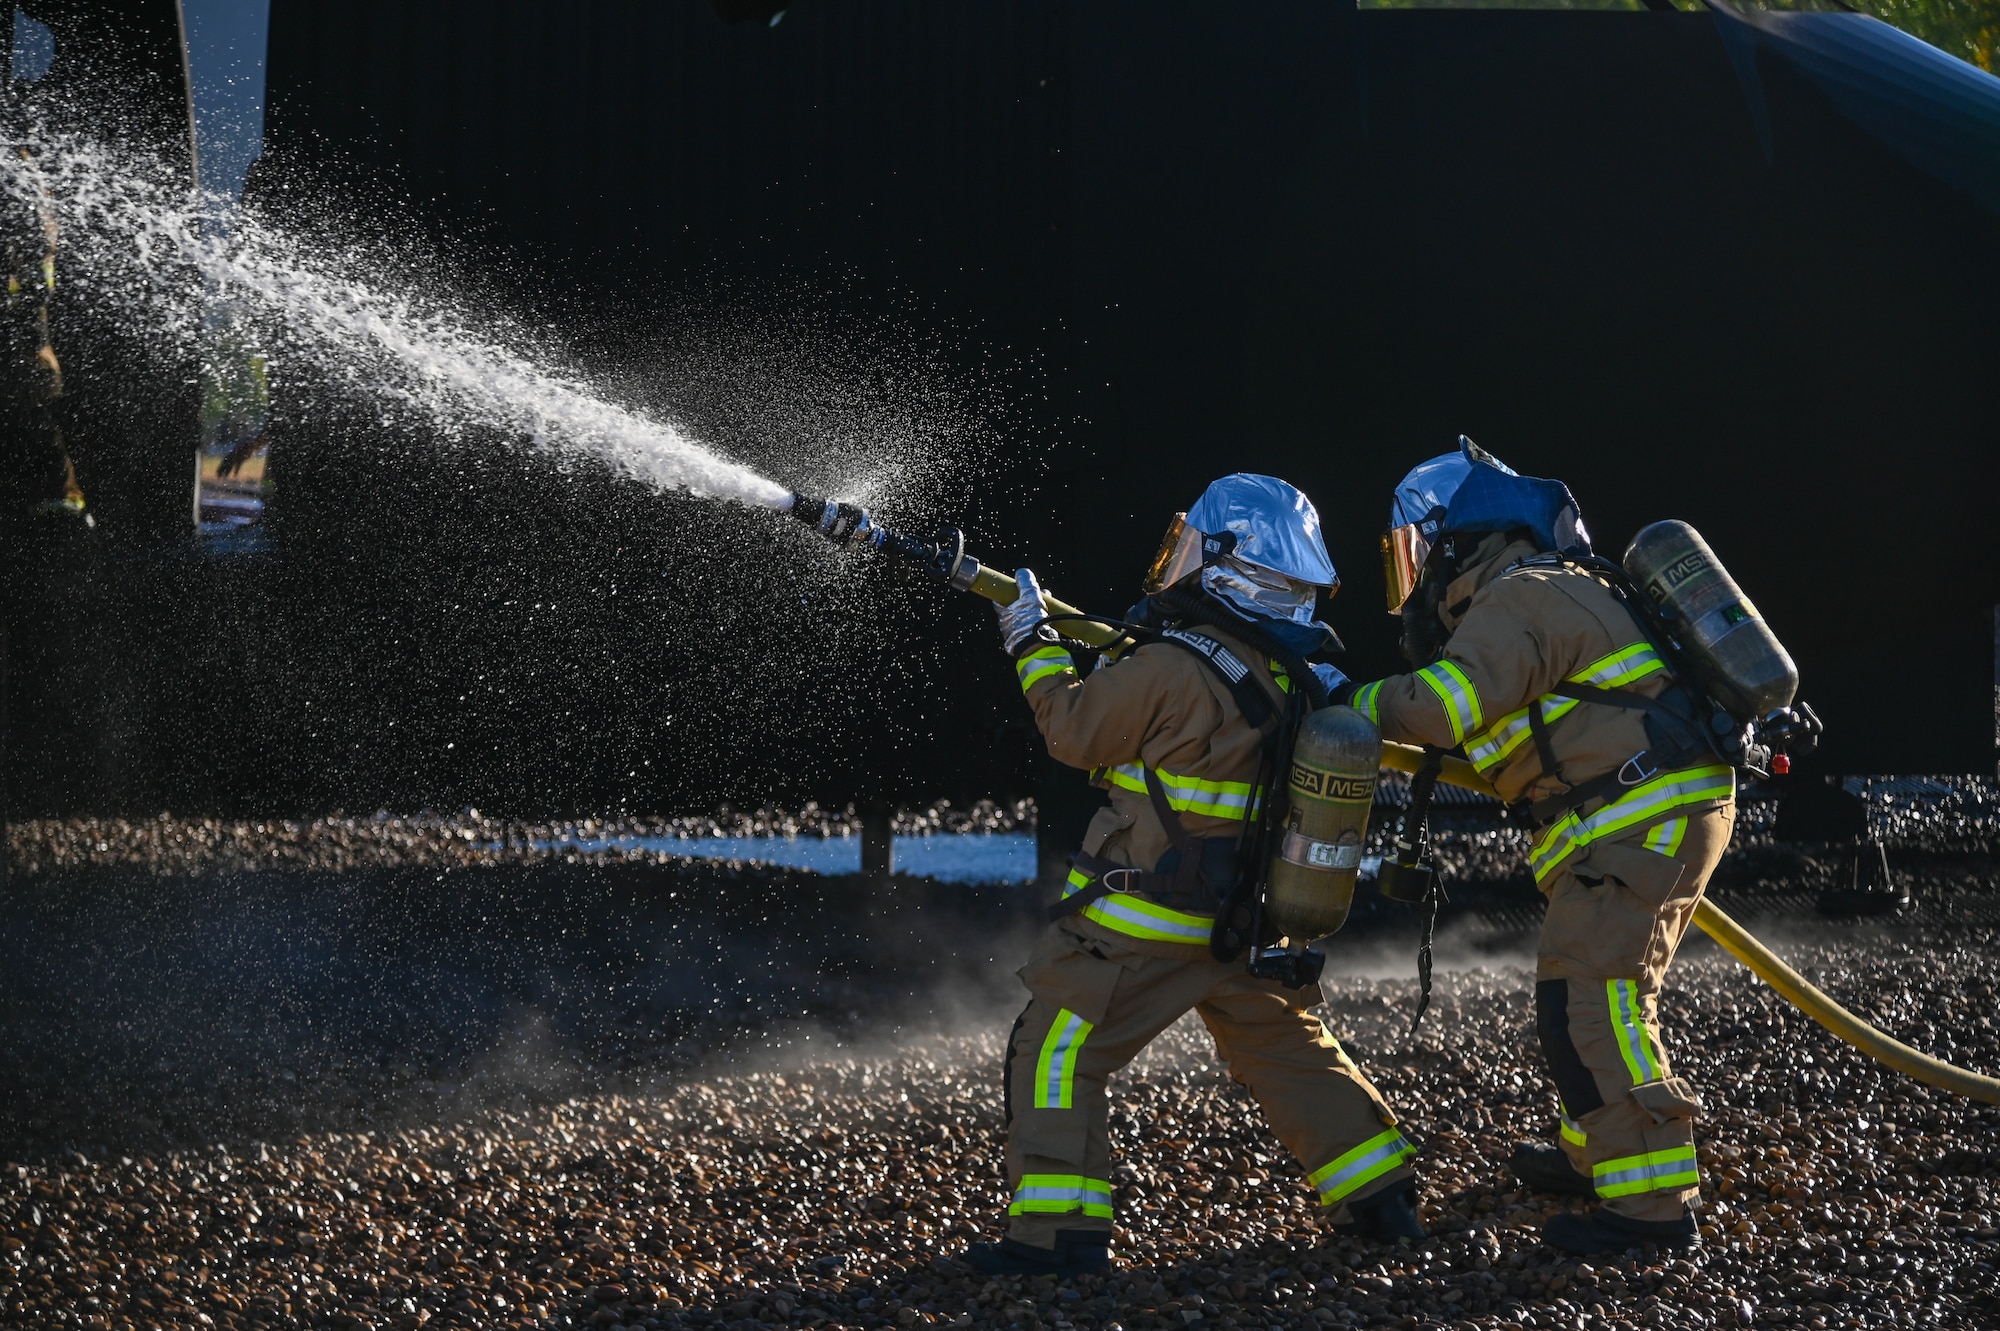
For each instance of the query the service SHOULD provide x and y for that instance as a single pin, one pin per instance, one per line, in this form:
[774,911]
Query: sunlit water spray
[137,240]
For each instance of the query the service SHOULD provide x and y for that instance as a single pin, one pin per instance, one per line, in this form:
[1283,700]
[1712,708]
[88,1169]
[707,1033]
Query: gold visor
[1404,551]
[1179,555]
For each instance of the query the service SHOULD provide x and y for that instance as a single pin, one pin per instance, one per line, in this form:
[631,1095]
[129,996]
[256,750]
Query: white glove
[1018,620]
[1331,676]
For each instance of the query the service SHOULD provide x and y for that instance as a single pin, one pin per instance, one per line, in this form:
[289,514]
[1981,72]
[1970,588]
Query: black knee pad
[1574,1083]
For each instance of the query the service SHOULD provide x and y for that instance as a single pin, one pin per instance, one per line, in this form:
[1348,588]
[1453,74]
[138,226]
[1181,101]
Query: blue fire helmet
[1422,496]
[1471,491]
[1262,520]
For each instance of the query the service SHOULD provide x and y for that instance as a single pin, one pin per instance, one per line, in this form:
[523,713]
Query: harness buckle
[1633,765]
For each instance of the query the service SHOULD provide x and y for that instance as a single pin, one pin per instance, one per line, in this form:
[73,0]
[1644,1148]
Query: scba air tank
[1728,643]
[1311,883]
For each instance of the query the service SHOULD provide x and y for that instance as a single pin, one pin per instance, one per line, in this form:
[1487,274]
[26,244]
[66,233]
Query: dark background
[1084,259]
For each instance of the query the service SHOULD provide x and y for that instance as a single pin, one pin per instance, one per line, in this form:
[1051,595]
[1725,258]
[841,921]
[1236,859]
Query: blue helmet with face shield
[1257,542]
[1471,491]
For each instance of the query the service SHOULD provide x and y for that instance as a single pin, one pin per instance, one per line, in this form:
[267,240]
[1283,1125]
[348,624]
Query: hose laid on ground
[1736,941]
[1739,943]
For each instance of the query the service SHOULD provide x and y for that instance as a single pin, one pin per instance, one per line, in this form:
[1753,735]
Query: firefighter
[1128,950]
[1628,825]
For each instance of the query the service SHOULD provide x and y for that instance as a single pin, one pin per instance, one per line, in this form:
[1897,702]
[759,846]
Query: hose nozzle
[837,520]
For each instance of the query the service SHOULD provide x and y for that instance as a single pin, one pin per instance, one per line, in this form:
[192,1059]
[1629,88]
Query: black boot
[1601,1230]
[1078,1252]
[1547,1168]
[1387,1216]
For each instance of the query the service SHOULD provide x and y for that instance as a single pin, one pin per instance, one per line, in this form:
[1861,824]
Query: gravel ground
[834,1190]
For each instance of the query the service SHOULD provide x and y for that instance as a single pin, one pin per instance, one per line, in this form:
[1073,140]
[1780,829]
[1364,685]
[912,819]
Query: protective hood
[1261,520]
[1258,592]
[1494,498]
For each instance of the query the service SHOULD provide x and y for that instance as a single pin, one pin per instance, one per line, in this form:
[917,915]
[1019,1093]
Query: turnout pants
[1616,914]
[1096,1003]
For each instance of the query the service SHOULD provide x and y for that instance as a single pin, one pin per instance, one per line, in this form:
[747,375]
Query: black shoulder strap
[1545,749]
[1239,675]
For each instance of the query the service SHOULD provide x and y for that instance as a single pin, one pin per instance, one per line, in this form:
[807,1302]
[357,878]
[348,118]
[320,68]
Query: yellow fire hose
[1734,938]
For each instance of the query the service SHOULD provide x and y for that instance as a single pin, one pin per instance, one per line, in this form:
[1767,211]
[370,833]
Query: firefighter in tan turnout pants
[1516,641]
[1128,950]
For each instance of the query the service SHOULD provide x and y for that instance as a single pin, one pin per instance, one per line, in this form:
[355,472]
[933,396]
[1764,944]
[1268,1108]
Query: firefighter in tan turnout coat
[1516,641]
[1128,951]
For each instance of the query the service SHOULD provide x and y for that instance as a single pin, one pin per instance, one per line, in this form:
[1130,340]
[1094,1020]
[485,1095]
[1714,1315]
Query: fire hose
[946,557]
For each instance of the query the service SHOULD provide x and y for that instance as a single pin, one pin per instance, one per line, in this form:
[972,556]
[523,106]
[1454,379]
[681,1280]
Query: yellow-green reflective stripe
[1641,804]
[1507,734]
[1187,794]
[1572,1131]
[1365,1163]
[1141,918]
[1621,667]
[1460,699]
[1057,1193]
[1078,880]
[1364,701]
[1628,1023]
[1666,838]
[1040,664]
[1055,1070]
[1655,1171]
[1614,671]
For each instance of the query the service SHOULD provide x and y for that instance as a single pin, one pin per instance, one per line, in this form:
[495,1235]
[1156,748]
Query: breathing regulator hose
[946,557]
[1794,987]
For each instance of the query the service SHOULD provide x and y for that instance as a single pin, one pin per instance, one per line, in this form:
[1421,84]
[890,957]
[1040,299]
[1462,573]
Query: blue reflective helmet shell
[1275,526]
[1473,491]
[1422,496]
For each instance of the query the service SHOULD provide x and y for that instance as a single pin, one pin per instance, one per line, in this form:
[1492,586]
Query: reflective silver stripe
[1143,919]
[1366,1162]
[1656,1171]
[1040,664]
[1507,734]
[1628,1018]
[1187,794]
[1055,1071]
[1642,804]
[1058,1193]
[1666,838]
[1455,692]
[1621,667]
[1624,666]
